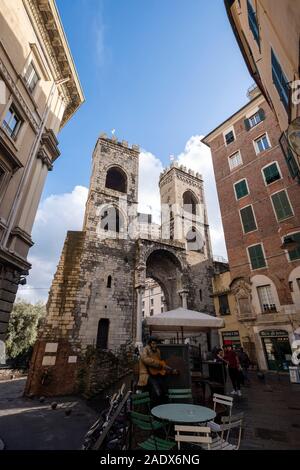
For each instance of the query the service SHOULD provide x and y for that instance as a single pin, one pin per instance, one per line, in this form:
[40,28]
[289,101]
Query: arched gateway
[94,310]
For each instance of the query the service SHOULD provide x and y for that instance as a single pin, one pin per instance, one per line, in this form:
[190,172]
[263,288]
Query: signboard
[273,333]
[231,337]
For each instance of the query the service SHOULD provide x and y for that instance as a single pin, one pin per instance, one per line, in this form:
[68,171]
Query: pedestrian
[234,369]
[245,363]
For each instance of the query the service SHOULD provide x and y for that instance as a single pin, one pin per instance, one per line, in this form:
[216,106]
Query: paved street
[272,413]
[27,424]
[271,407]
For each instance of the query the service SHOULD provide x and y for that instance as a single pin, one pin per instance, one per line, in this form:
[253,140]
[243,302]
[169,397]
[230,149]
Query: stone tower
[94,310]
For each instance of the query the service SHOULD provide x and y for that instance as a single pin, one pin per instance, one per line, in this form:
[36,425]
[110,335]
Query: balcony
[268,308]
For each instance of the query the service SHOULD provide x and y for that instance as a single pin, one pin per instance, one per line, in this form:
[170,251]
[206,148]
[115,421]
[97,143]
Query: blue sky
[160,72]
[157,71]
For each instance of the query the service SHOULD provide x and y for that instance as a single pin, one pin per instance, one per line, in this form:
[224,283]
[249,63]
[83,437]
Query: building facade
[95,302]
[153,301]
[267,33]
[39,93]
[260,208]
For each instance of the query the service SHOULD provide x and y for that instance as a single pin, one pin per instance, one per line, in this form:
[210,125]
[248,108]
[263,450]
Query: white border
[239,181]
[250,231]
[266,166]
[257,151]
[230,156]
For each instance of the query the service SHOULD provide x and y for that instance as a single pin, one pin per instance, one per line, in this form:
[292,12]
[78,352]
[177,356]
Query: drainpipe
[28,167]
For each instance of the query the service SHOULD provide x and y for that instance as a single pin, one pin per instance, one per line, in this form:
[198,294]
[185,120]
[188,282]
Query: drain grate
[271,435]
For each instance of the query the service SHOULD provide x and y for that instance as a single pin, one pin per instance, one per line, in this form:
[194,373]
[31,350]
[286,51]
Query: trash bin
[295,374]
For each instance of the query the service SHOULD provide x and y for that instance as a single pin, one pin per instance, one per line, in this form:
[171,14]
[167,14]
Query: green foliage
[23,326]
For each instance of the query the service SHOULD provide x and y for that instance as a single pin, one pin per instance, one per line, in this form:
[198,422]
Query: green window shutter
[241,189]
[247,124]
[248,219]
[271,173]
[261,114]
[295,254]
[256,257]
[282,206]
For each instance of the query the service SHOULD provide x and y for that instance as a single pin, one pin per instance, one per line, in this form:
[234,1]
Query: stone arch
[116,179]
[166,269]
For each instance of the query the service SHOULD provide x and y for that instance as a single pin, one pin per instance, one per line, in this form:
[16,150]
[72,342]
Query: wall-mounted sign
[273,333]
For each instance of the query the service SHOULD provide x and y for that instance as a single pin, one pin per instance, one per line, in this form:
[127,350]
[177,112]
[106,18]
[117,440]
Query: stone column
[184,294]
[139,317]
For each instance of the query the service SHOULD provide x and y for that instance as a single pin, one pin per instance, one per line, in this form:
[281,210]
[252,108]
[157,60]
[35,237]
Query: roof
[49,25]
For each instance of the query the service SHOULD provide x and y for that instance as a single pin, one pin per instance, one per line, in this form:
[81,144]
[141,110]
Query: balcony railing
[269,308]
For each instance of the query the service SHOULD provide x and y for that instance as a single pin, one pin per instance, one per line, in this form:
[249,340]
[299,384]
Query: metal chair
[140,400]
[175,394]
[222,442]
[222,400]
[193,435]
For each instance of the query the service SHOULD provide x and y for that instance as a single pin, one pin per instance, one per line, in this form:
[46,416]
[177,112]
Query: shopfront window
[277,349]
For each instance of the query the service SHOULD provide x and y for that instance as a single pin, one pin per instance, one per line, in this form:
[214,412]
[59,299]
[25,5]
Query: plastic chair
[175,394]
[193,435]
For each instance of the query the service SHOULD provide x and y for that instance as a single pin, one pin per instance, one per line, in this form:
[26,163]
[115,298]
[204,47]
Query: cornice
[46,17]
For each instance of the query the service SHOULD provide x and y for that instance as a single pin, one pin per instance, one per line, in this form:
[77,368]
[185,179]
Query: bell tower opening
[116,179]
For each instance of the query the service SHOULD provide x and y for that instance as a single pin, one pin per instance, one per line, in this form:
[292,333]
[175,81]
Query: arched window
[189,203]
[102,334]
[111,220]
[116,179]
[108,282]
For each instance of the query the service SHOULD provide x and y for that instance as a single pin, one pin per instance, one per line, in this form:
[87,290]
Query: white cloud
[59,213]
[56,215]
[149,197]
[197,157]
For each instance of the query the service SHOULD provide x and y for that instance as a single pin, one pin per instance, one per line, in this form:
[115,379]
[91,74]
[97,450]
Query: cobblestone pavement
[28,424]
[272,413]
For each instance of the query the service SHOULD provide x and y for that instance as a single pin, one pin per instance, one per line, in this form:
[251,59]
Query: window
[291,286]
[235,160]
[253,24]
[102,334]
[161,309]
[152,302]
[143,303]
[241,189]
[256,256]
[281,205]
[295,253]
[151,312]
[223,305]
[143,313]
[12,122]
[262,143]
[266,300]
[289,156]
[255,119]
[116,180]
[280,81]
[229,137]
[248,219]
[108,282]
[271,173]
[31,77]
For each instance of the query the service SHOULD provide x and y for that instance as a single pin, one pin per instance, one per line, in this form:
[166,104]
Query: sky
[162,73]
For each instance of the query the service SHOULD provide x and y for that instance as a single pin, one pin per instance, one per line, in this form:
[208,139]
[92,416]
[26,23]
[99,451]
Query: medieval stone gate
[94,308]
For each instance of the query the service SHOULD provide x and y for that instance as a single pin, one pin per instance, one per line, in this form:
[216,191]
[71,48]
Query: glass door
[278,352]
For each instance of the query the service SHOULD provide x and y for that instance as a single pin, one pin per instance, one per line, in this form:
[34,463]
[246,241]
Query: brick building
[94,311]
[260,208]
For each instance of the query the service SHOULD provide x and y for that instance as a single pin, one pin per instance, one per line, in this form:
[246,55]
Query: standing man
[234,369]
[151,372]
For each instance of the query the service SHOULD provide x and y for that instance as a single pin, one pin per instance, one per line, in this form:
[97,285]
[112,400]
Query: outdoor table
[183,413]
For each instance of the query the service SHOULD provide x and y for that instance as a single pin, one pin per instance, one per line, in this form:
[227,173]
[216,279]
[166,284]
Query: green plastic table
[183,413]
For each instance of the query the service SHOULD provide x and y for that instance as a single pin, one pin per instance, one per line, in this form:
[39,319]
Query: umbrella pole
[182,338]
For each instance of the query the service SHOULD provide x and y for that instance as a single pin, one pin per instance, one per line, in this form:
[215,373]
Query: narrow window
[256,256]
[271,173]
[280,81]
[248,219]
[31,77]
[252,20]
[151,312]
[12,122]
[235,160]
[295,252]
[200,294]
[262,144]
[108,282]
[241,189]
[102,334]
[266,299]
[223,305]
[229,137]
[281,205]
